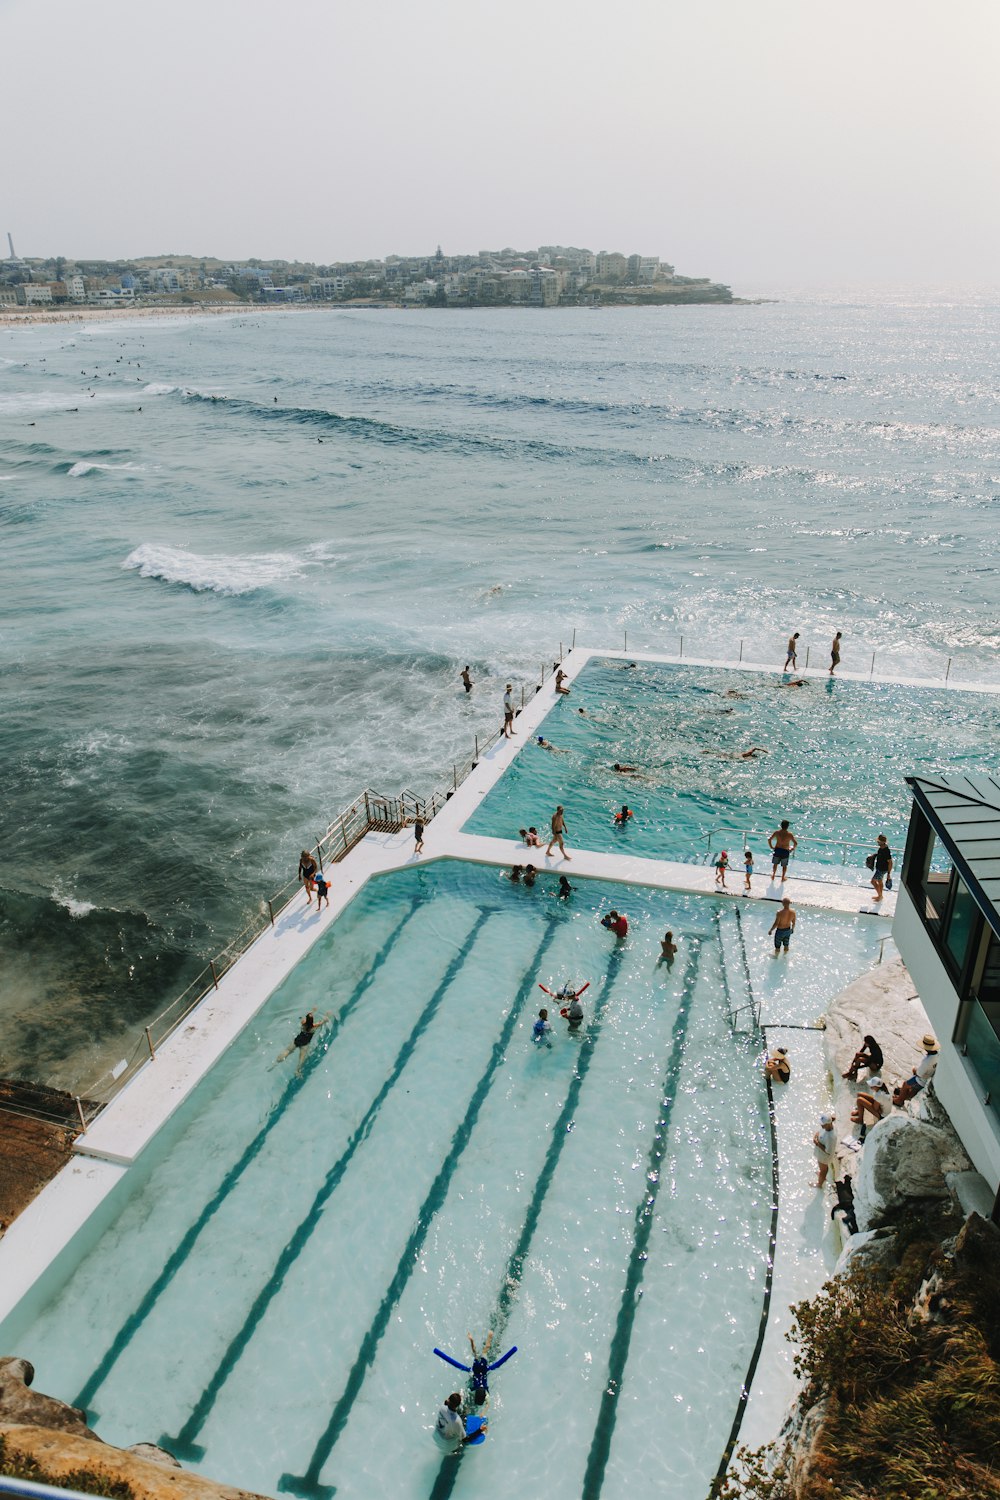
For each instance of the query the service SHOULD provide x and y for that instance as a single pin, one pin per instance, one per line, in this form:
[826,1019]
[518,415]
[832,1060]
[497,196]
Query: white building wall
[955,1084]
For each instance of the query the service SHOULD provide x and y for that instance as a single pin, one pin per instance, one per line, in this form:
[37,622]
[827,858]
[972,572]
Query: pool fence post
[682,645]
[947,673]
[454,773]
[872,672]
[270,912]
[83,1117]
[215,978]
[477,749]
[522,694]
[149,1041]
[741,650]
[807,658]
[319,853]
[560,653]
[368,815]
[573,647]
[343,830]
[626,642]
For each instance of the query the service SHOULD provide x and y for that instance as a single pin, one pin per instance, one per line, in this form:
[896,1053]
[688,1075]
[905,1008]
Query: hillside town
[550,276]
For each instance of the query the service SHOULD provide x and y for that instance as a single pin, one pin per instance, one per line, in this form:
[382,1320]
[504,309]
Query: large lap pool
[288,1252]
[837,755]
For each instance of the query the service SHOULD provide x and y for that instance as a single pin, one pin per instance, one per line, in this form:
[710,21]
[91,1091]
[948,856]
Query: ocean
[246,557]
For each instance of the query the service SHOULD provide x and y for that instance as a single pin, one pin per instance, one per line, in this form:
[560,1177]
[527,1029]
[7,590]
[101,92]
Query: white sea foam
[73,906]
[218,575]
[83,467]
[155,389]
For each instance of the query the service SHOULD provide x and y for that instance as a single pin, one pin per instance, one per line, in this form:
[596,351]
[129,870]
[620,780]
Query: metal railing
[368,812]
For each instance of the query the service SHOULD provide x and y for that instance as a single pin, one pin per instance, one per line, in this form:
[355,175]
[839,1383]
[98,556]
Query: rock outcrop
[45,1440]
[903,1165]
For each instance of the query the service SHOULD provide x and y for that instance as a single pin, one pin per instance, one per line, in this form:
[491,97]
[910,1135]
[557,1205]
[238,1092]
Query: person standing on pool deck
[881,866]
[835,652]
[782,842]
[508,711]
[792,659]
[747,871]
[825,1148]
[418,836]
[308,1028]
[322,886]
[466,679]
[783,926]
[307,869]
[558,829]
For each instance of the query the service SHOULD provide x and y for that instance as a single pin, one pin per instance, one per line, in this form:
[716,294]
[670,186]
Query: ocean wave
[156,389]
[84,466]
[230,576]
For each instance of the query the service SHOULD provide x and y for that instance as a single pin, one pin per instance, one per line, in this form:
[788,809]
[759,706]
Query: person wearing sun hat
[924,1071]
[777,1067]
[825,1148]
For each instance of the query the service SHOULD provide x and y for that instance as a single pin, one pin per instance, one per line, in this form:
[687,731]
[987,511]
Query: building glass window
[988,986]
[982,1048]
[961,925]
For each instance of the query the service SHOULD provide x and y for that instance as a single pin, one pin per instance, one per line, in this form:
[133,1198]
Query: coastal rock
[880,1003]
[154,1454]
[869,1247]
[62,1458]
[904,1162]
[19,1404]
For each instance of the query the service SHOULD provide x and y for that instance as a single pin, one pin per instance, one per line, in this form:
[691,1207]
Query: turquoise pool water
[837,755]
[290,1250]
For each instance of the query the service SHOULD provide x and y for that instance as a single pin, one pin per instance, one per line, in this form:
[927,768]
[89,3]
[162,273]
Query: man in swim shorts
[466,679]
[783,926]
[782,841]
[791,659]
[558,829]
[508,711]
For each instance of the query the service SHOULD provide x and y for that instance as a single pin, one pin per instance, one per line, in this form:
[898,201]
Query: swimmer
[565,889]
[572,1011]
[515,874]
[308,1028]
[545,744]
[466,679]
[481,1367]
[754,750]
[541,1029]
[560,679]
[532,838]
[793,682]
[584,712]
[530,875]
[625,770]
[621,818]
[617,923]
[668,950]
[450,1427]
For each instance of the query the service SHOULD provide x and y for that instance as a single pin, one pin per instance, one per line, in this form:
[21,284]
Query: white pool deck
[805,1247]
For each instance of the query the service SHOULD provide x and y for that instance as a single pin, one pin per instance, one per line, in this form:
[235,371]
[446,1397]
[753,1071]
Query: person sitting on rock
[869,1057]
[875,1101]
[922,1073]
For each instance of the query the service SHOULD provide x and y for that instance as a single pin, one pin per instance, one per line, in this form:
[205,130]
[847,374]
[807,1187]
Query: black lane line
[251,1151]
[183,1445]
[600,1447]
[741,1406]
[307,1484]
[511,1282]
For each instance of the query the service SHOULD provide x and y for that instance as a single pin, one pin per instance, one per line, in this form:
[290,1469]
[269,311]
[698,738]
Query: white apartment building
[947,928]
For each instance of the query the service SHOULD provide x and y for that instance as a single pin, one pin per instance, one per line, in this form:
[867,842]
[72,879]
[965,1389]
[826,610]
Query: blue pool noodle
[503,1358]
[449,1361]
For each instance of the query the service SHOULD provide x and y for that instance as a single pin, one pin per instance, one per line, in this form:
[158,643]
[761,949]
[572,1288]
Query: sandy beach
[24,317]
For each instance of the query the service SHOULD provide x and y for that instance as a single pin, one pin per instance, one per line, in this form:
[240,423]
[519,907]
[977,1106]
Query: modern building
[947,928]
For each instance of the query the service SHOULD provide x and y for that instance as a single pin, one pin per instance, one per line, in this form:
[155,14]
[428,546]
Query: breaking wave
[230,576]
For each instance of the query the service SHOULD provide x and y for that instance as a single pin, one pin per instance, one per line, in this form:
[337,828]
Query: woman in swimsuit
[307,869]
[308,1028]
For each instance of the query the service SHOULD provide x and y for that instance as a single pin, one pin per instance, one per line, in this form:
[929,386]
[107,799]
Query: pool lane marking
[765,1310]
[511,1280]
[183,1444]
[251,1151]
[600,1447]
[307,1484]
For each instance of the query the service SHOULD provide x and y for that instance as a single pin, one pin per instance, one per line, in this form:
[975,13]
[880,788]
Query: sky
[758,142]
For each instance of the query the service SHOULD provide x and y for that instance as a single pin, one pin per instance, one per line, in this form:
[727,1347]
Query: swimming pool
[291,1248]
[837,755]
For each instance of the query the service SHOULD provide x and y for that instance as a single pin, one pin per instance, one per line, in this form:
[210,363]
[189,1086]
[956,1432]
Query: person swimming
[481,1368]
[308,1027]
[621,818]
[541,1029]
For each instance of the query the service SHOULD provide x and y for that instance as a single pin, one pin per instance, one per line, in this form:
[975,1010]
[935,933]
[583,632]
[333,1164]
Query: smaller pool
[836,755]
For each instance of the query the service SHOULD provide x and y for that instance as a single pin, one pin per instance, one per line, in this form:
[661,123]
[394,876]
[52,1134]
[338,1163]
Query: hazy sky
[755,141]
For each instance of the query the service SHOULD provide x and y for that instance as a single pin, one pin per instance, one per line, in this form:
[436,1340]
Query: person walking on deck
[880,864]
[418,836]
[558,829]
[307,870]
[508,711]
[792,657]
[835,652]
[781,842]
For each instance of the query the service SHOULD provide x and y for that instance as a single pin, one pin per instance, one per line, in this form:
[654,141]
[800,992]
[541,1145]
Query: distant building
[947,929]
[611,267]
[35,294]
